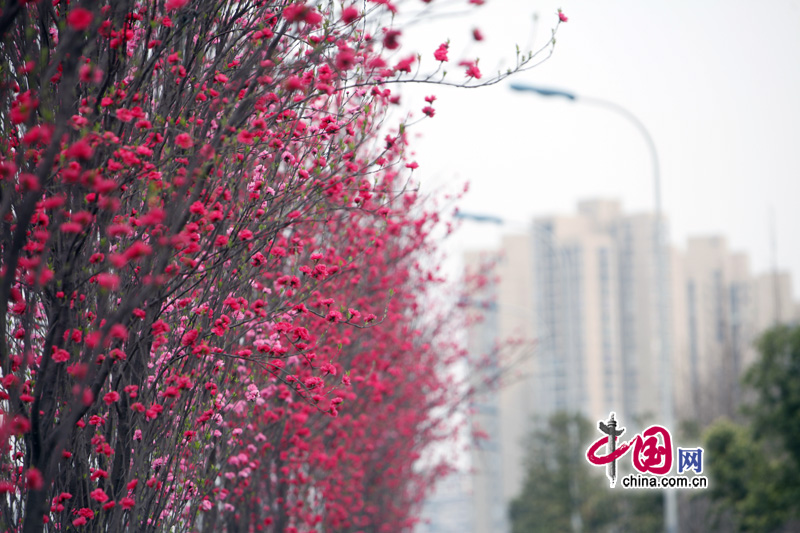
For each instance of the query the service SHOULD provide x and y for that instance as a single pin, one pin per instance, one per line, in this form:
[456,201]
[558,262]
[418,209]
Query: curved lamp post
[670,497]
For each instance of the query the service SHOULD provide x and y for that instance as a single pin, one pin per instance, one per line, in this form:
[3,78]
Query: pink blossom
[252,393]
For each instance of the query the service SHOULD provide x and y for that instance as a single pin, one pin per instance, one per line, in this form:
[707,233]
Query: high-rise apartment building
[448,509]
[772,300]
[585,288]
[575,298]
[595,291]
[719,328]
[488,498]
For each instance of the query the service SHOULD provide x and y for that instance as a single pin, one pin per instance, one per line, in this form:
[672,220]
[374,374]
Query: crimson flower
[350,14]
[111,397]
[441,53]
[390,39]
[20,425]
[34,479]
[184,140]
[172,5]
[345,59]
[99,495]
[301,13]
[79,19]
[472,69]
[60,355]
[404,65]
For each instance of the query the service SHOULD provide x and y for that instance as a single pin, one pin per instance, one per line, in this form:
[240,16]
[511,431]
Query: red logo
[652,449]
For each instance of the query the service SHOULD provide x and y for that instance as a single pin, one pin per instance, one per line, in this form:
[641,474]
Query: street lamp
[670,497]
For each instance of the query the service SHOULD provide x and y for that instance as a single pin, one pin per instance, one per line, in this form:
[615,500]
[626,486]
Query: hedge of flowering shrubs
[214,270]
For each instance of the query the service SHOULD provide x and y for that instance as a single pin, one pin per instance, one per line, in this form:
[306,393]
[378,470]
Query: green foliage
[744,479]
[776,380]
[754,470]
[560,481]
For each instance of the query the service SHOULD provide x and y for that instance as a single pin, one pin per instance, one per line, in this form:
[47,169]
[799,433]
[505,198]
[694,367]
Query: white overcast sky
[716,83]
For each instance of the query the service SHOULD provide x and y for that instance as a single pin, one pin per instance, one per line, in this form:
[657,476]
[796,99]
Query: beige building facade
[583,289]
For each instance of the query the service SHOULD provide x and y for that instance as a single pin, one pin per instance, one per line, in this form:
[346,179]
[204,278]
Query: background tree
[560,484]
[754,468]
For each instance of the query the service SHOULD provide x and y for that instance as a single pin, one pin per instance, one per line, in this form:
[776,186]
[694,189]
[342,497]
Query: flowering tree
[213,279]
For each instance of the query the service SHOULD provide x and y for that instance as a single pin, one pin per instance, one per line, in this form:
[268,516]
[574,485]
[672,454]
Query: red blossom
[34,479]
[111,397]
[390,39]
[300,12]
[79,18]
[404,65]
[220,254]
[245,137]
[294,83]
[472,69]
[189,337]
[108,281]
[20,425]
[350,14]
[99,495]
[184,140]
[172,5]
[80,150]
[124,115]
[60,355]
